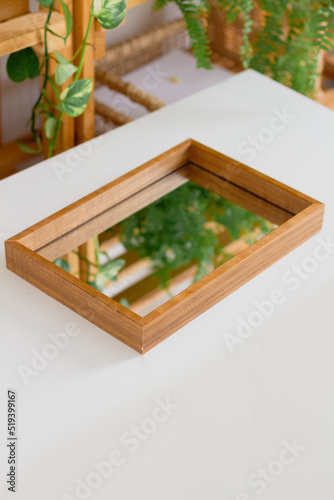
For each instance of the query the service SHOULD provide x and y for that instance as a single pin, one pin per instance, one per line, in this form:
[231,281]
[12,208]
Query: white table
[237,411]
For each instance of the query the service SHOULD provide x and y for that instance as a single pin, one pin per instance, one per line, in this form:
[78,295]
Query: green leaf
[75,97]
[61,59]
[110,13]
[42,106]
[112,269]
[22,65]
[68,19]
[64,71]
[97,7]
[50,127]
[63,264]
[28,149]
[124,302]
[45,3]
[109,272]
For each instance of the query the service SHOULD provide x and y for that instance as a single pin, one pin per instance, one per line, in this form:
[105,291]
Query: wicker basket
[145,48]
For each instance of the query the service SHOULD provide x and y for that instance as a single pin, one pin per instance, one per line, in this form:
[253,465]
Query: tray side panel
[211,289]
[64,221]
[88,303]
[247,178]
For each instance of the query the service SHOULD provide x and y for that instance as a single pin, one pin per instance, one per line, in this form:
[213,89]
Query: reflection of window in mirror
[162,249]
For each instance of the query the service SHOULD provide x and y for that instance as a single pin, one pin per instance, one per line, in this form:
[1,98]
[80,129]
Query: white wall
[18,98]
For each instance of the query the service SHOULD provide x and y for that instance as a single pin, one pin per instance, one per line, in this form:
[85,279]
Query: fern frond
[192,13]
[244,9]
[288,45]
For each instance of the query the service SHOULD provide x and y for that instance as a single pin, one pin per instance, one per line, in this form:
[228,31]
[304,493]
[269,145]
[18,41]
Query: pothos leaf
[42,106]
[64,71]
[75,97]
[28,149]
[124,302]
[50,127]
[109,272]
[97,7]
[68,19]
[61,59]
[45,3]
[110,13]
[22,65]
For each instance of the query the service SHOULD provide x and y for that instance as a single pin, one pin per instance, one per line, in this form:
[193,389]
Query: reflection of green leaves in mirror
[182,229]
[124,302]
[103,274]
[110,13]
[64,70]
[22,65]
[75,97]
[63,264]
[108,272]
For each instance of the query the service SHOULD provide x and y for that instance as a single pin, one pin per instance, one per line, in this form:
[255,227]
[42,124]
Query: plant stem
[46,76]
[76,78]
[89,27]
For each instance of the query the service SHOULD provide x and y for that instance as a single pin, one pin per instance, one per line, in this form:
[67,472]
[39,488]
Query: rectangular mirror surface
[158,251]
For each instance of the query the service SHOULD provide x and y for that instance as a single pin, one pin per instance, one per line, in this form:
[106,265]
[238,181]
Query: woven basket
[145,48]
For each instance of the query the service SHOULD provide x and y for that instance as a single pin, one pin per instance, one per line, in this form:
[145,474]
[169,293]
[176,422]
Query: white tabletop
[249,419]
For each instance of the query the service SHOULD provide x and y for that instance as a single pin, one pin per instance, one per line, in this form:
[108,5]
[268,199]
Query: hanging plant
[285,46]
[72,101]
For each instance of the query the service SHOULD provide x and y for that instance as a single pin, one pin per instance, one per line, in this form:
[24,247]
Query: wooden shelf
[12,157]
[13,8]
[28,30]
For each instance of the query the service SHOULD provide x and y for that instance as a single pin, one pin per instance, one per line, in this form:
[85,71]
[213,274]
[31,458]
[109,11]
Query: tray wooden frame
[30,253]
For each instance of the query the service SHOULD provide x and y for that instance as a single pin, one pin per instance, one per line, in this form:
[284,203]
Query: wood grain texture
[301,216]
[231,192]
[28,30]
[85,123]
[249,179]
[13,8]
[80,235]
[99,40]
[11,157]
[105,313]
[212,288]
[96,203]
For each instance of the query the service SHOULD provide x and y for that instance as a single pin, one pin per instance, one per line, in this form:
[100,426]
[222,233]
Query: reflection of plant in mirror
[102,273]
[73,100]
[177,230]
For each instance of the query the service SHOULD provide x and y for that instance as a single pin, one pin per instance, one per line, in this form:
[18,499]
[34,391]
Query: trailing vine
[73,100]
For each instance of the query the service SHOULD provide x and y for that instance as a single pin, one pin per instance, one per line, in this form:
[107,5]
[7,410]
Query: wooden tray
[30,253]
